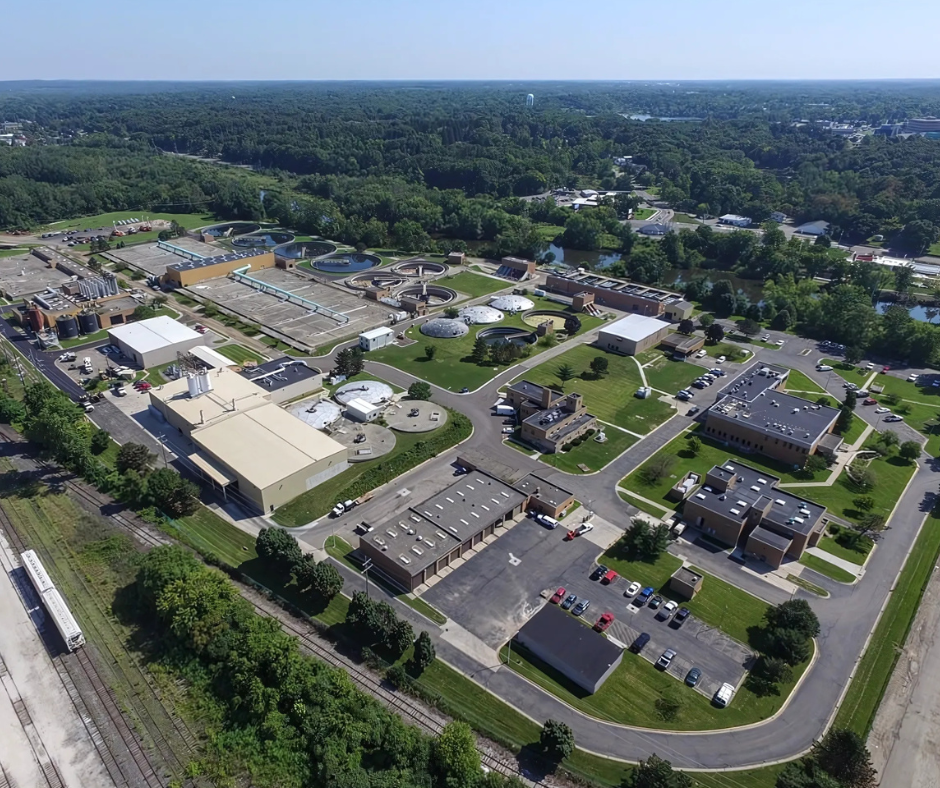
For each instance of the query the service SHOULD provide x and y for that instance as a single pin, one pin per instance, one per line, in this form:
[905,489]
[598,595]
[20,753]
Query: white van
[724,695]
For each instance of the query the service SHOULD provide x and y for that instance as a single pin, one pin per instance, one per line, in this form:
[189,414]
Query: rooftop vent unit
[391,533]
[417,550]
[404,559]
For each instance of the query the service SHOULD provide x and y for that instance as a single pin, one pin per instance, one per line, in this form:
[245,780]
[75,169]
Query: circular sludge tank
[445,328]
[372,391]
[512,303]
[516,336]
[420,268]
[480,315]
[305,250]
[319,415]
[383,280]
[264,239]
[345,263]
[556,318]
[88,322]
[66,327]
[230,229]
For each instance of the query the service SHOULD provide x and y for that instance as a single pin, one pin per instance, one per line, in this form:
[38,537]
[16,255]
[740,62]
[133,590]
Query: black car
[637,646]
[693,676]
[598,573]
[681,616]
[655,602]
[569,601]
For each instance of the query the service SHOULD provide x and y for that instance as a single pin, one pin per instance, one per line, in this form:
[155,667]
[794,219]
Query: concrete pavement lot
[148,257]
[496,591]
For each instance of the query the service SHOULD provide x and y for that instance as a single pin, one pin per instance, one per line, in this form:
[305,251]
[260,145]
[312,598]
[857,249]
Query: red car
[558,596]
[885,369]
[870,401]
[609,578]
[604,621]
[145,387]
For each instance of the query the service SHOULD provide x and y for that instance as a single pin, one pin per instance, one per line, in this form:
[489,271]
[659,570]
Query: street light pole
[366,566]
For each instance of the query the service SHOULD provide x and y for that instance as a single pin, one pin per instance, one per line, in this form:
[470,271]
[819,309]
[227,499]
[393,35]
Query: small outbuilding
[633,334]
[376,338]
[685,583]
[683,346]
[360,410]
[155,341]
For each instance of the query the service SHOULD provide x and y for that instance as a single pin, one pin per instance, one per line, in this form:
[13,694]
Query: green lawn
[643,213]
[592,454]
[684,218]
[874,670]
[473,285]
[609,397]
[188,220]
[711,453]
[668,374]
[548,232]
[84,339]
[825,568]
[239,354]
[211,534]
[800,384]
[891,476]
[630,694]
[451,367]
[729,350]
[855,430]
[923,418]
[830,544]
[845,370]
[411,449]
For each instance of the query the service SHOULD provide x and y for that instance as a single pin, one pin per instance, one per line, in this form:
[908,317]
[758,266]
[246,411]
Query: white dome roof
[480,315]
[512,303]
[445,328]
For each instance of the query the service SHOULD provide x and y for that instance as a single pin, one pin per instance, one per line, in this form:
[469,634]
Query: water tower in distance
[530,100]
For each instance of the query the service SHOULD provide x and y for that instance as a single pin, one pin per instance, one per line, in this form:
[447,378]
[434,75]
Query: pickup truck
[344,506]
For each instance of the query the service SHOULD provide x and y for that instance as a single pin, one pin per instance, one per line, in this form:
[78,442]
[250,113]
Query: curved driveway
[847,616]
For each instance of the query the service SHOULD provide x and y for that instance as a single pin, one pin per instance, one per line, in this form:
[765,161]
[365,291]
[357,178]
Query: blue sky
[459,39]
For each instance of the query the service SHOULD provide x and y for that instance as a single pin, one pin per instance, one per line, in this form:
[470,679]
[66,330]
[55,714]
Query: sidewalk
[829,558]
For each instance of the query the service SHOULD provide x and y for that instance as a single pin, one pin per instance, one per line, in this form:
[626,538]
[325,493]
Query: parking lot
[290,319]
[495,592]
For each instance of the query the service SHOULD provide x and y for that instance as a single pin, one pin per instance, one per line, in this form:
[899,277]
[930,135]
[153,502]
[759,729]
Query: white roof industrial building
[246,443]
[155,341]
[633,334]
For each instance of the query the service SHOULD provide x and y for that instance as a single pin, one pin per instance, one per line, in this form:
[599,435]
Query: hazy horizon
[419,40]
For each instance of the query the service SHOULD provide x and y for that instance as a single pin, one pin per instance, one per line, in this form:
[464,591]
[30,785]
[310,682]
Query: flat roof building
[683,346]
[155,341]
[580,654]
[621,294]
[739,503]
[633,334]
[755,414]
[813,228]
[245,442]
[190,272]
[735,220]
[211,358]
[284,378]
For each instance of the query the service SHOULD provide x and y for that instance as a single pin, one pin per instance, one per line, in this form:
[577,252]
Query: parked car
[581,530]
[913,377]
[885,369]
[632,590]
[720,360]
[558,596]
[882,410]
[569,601]
[644,595]
[599,572]
[893,418]
[464,390]
[823,368]
[667,610]
[723,696]
[701,354]
[637,645]
[547,521]
[765,338]
[870,401]
[655,602]
[692,411]
[666,659]
[681,616]
[583,605]
[870,365]
[604,621]
[693,676]
[684,395]
[609,577]
[780,342]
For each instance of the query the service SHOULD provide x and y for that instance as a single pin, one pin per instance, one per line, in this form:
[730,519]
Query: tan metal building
[190,272]
[633,334]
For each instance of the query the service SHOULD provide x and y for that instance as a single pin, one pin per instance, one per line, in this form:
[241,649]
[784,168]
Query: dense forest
[457,155]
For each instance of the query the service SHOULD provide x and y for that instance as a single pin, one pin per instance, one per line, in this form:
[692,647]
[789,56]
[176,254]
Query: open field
[591,454]
[451,367]
[801,385]
[708,455]
[188,220]
[473,285]
[684,218]
[210,534]
[610,396]
[667,374]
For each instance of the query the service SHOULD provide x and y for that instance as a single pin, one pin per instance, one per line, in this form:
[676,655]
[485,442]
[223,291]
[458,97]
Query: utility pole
[366,566]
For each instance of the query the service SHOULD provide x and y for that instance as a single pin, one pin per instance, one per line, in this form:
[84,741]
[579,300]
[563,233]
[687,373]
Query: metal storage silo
[88,322]
[66,327]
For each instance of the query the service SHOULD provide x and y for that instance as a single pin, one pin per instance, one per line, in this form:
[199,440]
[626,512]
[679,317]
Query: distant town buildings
[922,125]
[734,220]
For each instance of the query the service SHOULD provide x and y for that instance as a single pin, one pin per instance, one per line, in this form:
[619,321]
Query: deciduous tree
[557,740]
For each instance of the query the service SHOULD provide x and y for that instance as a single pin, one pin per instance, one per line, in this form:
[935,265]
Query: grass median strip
[822,566]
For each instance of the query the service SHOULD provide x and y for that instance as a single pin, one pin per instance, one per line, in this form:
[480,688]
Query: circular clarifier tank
[265,239]
[387,281]
[345,263]
[540,316]
[230,229]
[305,250]
[319,414]
[420,268]
[517,336]
[445,328]
[433,295]
[372,391]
